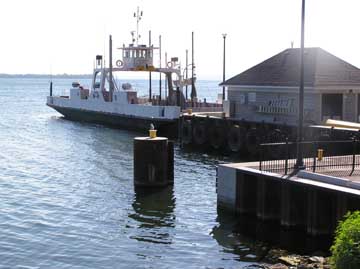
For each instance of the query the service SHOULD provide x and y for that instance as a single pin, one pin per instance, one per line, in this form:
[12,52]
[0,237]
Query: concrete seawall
[310,202]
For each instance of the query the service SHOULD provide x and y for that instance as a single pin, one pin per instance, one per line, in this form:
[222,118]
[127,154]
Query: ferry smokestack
[99,60]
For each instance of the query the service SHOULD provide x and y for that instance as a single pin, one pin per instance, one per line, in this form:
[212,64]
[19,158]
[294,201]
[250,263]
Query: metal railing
[340,158]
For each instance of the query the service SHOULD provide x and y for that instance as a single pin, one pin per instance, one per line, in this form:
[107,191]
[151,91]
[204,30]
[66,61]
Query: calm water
[67,197]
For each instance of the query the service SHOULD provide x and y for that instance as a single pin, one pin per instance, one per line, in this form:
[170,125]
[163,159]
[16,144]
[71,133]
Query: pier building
[269,90]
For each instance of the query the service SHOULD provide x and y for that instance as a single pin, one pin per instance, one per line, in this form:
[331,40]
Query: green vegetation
[346,248]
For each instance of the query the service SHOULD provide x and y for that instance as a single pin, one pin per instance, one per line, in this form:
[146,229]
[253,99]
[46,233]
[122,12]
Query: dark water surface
[67,197]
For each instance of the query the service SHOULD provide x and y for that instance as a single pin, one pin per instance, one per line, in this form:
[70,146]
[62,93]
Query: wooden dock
[307,201]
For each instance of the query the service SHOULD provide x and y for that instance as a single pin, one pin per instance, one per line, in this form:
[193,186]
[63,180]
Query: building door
[332,106]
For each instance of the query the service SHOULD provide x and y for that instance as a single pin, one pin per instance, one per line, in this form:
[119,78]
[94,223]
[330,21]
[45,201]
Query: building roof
[283,69]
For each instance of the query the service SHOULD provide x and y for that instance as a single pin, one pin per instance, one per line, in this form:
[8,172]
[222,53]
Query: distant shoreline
[45,76]
[68,76]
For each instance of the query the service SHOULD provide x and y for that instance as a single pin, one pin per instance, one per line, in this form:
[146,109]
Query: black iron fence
[340,158]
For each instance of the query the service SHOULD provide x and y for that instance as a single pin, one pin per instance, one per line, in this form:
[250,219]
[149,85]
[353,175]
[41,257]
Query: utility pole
[150,82]
[299,160]
[160,67]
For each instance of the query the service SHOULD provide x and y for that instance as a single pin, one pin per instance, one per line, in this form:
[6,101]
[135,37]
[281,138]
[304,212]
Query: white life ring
[170,64]
[119,63]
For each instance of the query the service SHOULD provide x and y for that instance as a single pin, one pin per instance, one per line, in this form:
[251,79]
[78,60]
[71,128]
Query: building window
[242,99]
[252,97]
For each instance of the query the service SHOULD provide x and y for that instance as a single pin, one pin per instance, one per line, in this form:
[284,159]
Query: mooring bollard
[153,161]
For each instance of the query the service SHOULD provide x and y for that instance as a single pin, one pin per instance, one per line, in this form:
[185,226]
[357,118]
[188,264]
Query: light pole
[299,160]
[186,86]
[223,92]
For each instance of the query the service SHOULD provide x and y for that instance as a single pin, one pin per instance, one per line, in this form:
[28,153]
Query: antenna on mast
[138,15]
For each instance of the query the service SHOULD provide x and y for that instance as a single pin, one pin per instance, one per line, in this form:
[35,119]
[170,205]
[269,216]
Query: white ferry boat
[108,102]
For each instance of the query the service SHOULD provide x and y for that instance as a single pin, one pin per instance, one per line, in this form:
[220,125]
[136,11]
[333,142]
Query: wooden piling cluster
[240,136]
[295,203]
[227,135]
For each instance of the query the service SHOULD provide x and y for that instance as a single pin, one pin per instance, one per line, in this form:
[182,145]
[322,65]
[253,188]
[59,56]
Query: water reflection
[235,241]
[154,213]
[239,233]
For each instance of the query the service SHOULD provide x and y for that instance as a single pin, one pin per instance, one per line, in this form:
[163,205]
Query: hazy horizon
[44,37]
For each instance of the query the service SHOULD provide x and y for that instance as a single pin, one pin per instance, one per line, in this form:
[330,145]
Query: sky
[63,36]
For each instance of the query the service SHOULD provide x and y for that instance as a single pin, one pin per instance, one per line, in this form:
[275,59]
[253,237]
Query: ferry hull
[165,127]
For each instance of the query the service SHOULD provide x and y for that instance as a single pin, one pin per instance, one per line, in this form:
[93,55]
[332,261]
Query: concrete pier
[313,203]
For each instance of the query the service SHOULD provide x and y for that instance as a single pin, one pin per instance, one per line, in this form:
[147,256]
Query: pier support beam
[321,212]
[293,205]
[246,196]
[268,198]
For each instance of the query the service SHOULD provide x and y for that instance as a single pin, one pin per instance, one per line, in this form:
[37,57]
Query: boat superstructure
[110,102]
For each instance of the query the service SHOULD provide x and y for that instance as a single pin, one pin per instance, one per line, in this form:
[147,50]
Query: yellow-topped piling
[320,154]
[152,133]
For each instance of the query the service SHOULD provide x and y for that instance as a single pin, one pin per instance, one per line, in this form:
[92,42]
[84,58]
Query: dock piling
[153,161]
